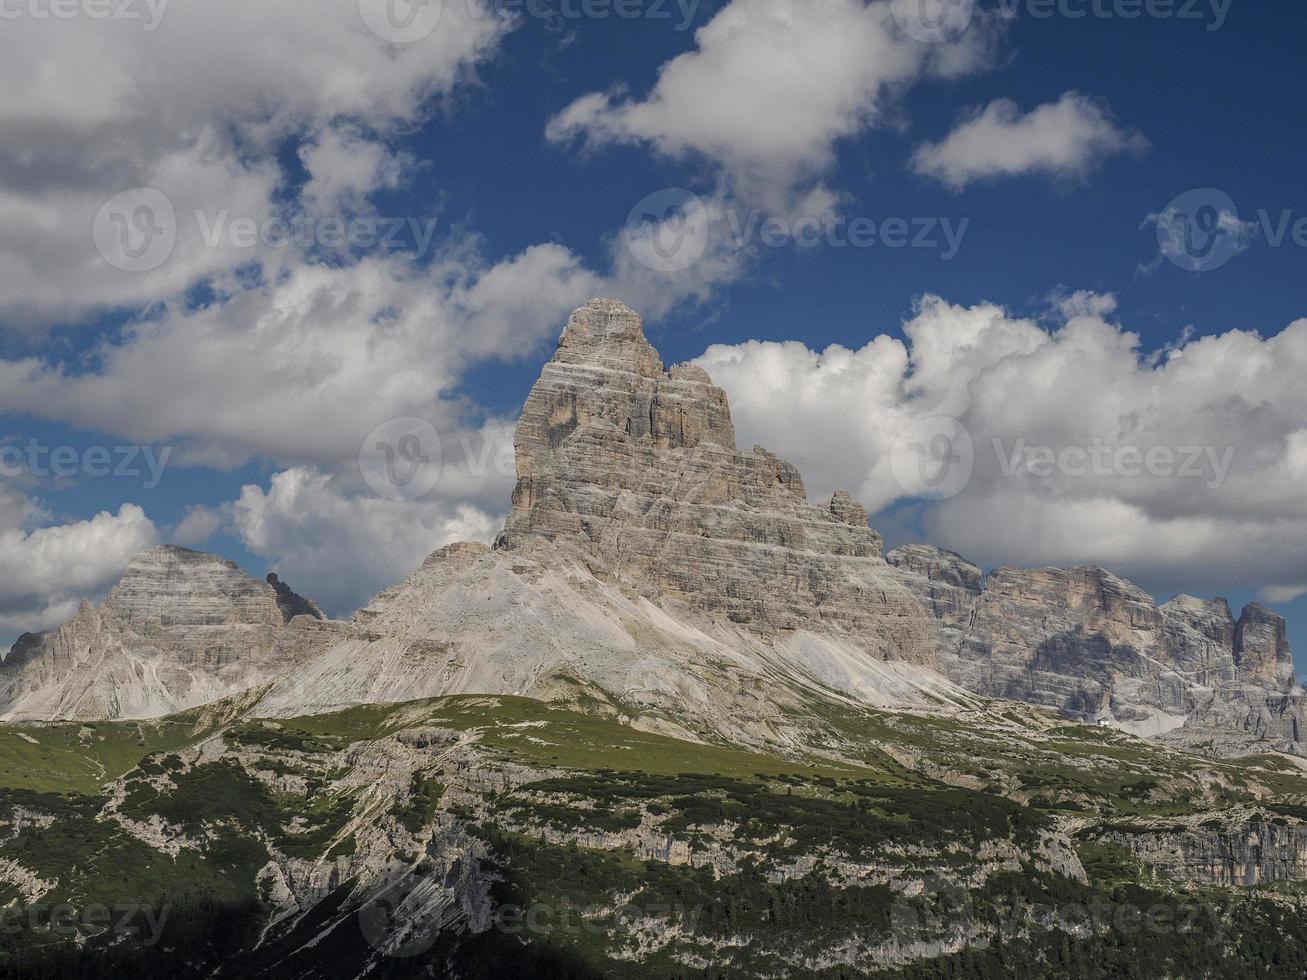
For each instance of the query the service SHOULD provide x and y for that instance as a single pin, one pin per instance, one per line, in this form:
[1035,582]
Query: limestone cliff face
[647,557]
[1254,851]
[180,629]
[1087,643]
[634,470]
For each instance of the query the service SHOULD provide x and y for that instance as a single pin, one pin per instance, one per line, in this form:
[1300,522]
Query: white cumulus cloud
[46,569]
[1063,139]
[769,89]
[194,108]
[341,545]
[1183,469]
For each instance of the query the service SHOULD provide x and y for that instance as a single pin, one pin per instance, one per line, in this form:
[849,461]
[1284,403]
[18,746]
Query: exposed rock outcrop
[645,557]
[180,629]
[648,558]
[1089,644]
[649,561]
[1257,851]
[634,470]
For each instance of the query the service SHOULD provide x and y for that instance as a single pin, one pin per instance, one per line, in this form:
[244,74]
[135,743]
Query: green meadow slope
[500,836]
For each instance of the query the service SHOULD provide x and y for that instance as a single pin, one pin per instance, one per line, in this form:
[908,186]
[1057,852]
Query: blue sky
[463,127]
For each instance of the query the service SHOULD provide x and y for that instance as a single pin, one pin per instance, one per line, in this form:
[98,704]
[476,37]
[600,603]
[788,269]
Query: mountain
[1095,647]
[180,629]
[650,564]
[677,722]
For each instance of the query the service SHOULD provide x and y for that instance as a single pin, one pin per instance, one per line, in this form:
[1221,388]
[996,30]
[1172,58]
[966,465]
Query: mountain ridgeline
[676,722]
[648,556]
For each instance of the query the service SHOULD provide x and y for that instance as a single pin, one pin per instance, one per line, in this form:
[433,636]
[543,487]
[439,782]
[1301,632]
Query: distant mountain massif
[677,722]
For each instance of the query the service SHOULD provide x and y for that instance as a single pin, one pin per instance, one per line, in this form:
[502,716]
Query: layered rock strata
[634,470]
[180,629]
[1089,644]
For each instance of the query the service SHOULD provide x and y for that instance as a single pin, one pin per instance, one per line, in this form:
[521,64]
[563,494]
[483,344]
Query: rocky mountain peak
[634,470]
[607,333]
[180,628]
[291,603]
[174,586]
[1261,647]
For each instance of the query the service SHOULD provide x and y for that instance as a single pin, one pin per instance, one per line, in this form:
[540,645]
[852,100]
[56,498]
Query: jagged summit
[607,333]
[649,560]
[181,628]
[635,470]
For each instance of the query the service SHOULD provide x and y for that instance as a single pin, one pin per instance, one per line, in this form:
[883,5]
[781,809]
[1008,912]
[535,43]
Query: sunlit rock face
[180,629]
[634,469]
[649,561]
[1089,644]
